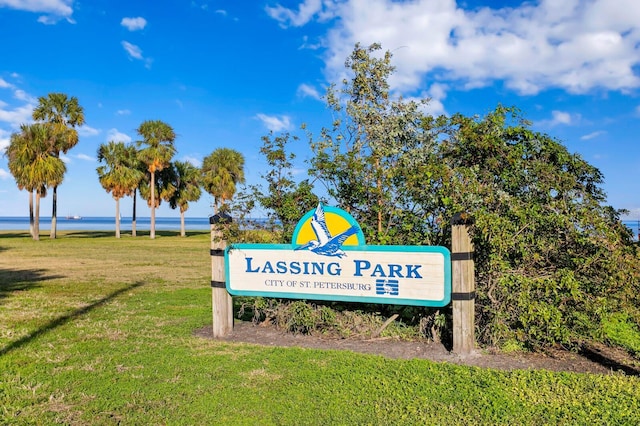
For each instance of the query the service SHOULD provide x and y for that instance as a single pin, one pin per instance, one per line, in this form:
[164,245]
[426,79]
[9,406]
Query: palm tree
[187,189]
[116,176]
[134,162]
[222,170]
[158,138]
[33,166]
[19,159]
[164,186]
[63,114]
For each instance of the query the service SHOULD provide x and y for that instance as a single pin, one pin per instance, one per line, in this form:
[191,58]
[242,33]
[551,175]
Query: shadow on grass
[60,321]
[16,234]
[87,234]
[169,233]
[12,280]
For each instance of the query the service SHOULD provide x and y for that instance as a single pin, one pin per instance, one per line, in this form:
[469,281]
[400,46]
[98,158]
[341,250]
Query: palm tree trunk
[31,226]
[152,231]
[182,233]
[117,217]
[54,213]
[133,219]
[36,222]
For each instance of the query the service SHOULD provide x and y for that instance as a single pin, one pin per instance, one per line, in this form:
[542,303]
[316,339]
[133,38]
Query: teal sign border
[342,298]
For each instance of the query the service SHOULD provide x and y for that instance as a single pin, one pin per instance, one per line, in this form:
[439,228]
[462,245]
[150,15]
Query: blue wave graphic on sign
[387,287]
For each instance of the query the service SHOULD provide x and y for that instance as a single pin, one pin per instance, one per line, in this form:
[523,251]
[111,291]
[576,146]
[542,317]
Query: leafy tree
[553,261]
[116,175]
[187,186]
[285,200]
[360,158]
[34,167]
[62,114]
[158,142]
[222,170]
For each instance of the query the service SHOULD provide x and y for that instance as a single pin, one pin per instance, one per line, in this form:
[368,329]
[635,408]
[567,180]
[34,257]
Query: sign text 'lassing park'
[328,260]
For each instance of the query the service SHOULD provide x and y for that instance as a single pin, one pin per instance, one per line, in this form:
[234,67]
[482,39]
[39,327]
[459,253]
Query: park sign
[329,260]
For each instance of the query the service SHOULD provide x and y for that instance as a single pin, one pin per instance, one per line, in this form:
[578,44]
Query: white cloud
[311,46]
[134,24]
[116,136]
[85,157]
[305,90]
[135,52]
[307,10]
[132,50]
[275,123]
[576,45]
[193,160]
[16,116]
[4,84]
[634,214]
[87,131]
[203,5]
[4,140]
[21,95]
[56,9]
[560,117]
[436,94]
[592,135]
[123,112]
[65,159]
[4,174]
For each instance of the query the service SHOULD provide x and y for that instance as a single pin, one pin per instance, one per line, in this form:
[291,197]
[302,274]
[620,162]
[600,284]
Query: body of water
[13,223]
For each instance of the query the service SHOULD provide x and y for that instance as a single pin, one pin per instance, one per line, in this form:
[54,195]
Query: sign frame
[237,290]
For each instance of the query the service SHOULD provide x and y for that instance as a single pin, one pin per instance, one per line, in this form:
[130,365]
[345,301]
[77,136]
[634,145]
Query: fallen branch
[391,319]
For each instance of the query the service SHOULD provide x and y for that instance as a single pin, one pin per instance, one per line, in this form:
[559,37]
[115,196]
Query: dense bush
[553,261]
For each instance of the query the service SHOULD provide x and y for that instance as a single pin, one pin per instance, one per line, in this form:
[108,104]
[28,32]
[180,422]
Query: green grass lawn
[95,330]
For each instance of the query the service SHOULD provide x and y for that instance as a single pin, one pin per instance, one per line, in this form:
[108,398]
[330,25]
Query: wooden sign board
[328,260]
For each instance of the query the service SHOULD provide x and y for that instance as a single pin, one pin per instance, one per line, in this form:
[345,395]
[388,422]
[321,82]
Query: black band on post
[463,296]
[217,252]
[218,284]
[462,256]
[462,219]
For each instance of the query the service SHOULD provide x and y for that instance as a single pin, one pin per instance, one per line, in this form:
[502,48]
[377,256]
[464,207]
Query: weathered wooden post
[463,285]
[222,303]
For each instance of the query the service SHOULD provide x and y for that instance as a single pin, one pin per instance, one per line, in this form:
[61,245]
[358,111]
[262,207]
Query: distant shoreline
[107,223]
[104,223]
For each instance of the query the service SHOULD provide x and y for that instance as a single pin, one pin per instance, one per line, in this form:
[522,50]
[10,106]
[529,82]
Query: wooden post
[222,303]
[463,285]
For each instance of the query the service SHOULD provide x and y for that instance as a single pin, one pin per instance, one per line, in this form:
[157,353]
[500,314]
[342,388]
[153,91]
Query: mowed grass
[95,330]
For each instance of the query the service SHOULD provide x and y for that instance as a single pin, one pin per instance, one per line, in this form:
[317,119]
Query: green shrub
[620,330]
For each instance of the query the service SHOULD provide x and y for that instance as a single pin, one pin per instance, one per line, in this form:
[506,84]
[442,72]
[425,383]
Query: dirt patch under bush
[606,362]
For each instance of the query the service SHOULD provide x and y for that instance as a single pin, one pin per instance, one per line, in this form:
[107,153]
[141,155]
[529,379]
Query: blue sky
[225,73]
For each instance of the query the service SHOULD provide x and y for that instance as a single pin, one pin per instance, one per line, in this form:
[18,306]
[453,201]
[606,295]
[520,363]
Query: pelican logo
[325,244]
